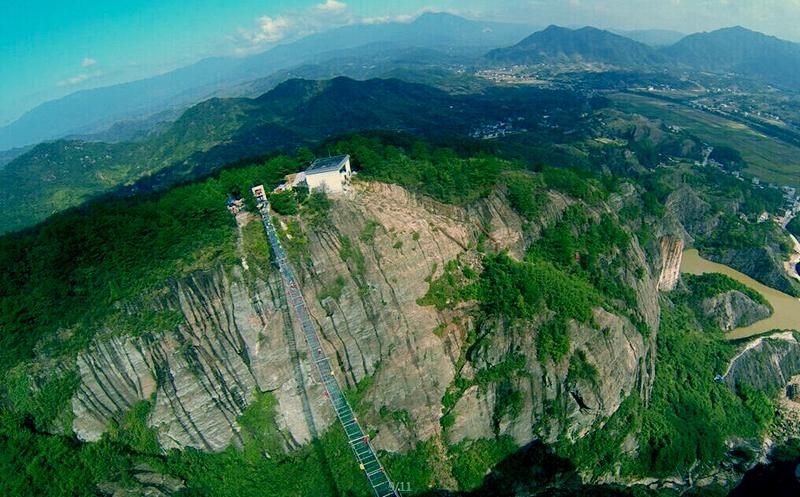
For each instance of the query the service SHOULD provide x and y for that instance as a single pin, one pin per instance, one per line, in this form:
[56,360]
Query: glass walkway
[358,440]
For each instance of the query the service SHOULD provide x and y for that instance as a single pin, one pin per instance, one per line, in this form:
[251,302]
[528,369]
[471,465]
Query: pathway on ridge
[358,440]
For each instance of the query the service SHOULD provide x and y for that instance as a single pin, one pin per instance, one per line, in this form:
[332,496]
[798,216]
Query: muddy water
[787,308]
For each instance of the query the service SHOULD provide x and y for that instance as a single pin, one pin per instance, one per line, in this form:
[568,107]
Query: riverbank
[786,315]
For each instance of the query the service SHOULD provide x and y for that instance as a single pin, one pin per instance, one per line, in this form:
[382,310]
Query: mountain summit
[741,51]
[557,44]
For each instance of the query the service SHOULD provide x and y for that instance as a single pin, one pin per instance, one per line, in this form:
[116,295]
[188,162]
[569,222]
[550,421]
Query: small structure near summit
[331,174]
[259,193]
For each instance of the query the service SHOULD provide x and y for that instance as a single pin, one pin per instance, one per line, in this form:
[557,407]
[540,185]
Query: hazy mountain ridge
[741,51]
[57,175]
[730,50]
[91,111]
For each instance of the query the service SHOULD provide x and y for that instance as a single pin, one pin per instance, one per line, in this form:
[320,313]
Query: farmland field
[768,158]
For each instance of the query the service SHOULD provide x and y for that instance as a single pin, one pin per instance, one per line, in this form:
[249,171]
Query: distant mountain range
[556,44]
[740,51]
[92,111]
[56,175]
[132,110]
[732,50]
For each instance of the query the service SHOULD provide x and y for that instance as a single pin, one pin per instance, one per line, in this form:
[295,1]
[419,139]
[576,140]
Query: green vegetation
[525,289]
[525,193]
[69,272]
[316,208]
[440,173]
[284,203]
[256,247]
[351,253]
[580,368]
[309,470]
[456,284]
[132,432]
[575,183]
[417,468]
[690,416]
[728,157]
[794,227]
[45,404]
[260,432]
[472,459]
[367,234]
[769,158]
[506,369]
[710,285]
[333,289]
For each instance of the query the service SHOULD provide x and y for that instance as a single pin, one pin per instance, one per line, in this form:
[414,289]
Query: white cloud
[292,24]
[298,23]
[88,62]
[75,80]
[270,30]
[330,6]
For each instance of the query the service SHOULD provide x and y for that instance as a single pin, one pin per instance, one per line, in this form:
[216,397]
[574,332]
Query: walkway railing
[357,439]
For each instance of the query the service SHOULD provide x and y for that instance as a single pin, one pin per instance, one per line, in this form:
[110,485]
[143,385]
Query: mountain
[740,51]
[56,175]
[379,60]
[92,111]
[499,330]
[653,37]
[557,44]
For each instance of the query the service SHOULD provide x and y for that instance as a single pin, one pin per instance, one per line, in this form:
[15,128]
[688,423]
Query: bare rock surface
[237,337]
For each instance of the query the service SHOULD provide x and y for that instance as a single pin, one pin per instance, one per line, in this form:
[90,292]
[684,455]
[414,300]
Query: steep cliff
[734,309]
[672,250]
[363,272]
[766,363]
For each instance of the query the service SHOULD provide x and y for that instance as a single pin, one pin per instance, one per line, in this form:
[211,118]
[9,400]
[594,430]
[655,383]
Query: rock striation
[672,250]
[733,309]
[381,245]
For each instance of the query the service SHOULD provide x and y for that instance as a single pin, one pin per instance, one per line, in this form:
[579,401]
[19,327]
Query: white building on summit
[331,174]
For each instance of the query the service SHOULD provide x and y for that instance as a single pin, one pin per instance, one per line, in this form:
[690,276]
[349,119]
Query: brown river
[787,308]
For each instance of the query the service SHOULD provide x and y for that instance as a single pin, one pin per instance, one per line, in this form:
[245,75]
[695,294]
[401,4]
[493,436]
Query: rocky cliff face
[731,310]
[672,250]
[380,249]
[767,363]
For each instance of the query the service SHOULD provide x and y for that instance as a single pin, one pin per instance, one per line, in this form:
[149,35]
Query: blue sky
[49,48]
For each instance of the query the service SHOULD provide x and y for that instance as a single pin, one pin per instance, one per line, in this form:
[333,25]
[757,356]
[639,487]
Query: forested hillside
[58,175]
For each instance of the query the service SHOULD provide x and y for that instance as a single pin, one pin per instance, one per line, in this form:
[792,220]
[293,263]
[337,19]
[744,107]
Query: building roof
[327,164]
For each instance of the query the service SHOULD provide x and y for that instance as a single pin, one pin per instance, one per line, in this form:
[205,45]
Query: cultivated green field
[768,158]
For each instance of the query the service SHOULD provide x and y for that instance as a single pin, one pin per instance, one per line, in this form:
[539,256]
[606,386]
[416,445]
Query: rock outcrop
[763,264]
[766,363]
[381,246]
[733,309]
[672,253]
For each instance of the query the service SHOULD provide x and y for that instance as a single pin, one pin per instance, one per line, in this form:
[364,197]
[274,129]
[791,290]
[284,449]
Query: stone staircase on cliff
[357,439]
